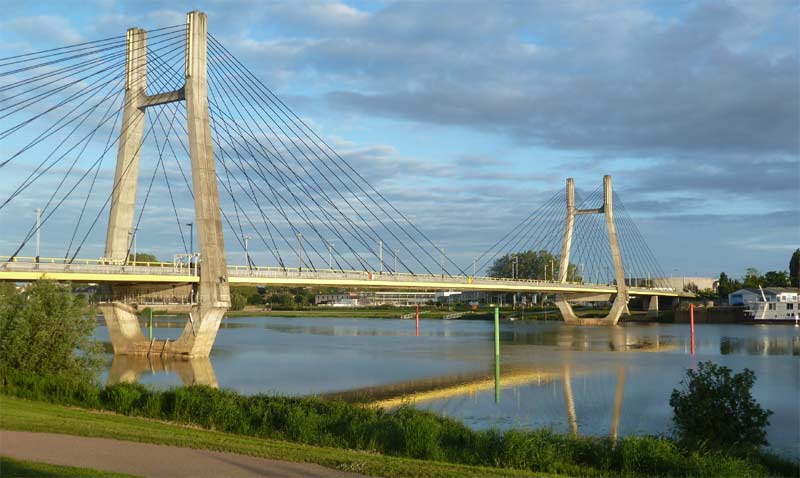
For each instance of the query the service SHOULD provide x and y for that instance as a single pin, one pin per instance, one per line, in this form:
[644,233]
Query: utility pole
[380,257]
[38,231]
[191,238]
[299,252]
[132,240]
[246,252]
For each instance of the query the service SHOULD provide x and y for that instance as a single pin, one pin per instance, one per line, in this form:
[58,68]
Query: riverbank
[35,416]
[290,425]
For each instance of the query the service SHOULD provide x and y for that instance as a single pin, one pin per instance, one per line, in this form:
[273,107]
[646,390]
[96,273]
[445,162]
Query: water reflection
[191,371]
[568,378]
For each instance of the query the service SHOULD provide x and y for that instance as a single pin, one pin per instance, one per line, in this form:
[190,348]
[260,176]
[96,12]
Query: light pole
[38,231]
[246,252]
[474,264]
[443,262]
[380,257]
[299,252]
[191,238]
[132,233]
[330,256]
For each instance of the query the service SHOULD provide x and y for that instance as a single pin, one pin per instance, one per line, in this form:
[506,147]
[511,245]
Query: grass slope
[11,468]
[18,414]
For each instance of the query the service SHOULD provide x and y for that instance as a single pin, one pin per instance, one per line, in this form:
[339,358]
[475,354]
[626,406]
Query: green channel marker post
[496,355]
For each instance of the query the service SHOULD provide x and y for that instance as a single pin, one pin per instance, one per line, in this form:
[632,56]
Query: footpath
[144,459]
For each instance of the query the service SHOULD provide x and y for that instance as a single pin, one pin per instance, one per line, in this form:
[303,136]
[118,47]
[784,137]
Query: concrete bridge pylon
[620,304]
[212,292]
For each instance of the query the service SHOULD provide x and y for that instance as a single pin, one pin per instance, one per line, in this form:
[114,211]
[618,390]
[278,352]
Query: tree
[776,279]
[727,285]
[143,257]
[47,330]
[532,265]
[715,410]
[794,268]
[238,300]
[753,278]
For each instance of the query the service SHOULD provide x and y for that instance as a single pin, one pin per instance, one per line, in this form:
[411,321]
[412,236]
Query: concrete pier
[212,292]
[620,304]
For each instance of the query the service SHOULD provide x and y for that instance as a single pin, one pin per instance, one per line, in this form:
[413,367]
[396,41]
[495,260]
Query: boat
[774,310]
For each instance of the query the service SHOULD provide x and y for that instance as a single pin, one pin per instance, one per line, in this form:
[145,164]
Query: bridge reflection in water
[191,371]
[199,371]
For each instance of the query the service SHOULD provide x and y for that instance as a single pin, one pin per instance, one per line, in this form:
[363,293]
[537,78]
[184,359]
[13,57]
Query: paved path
[149,460]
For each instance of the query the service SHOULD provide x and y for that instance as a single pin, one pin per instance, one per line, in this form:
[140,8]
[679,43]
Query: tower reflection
[192,371]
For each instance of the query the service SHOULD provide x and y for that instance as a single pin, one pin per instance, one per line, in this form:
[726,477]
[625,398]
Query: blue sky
[470,114]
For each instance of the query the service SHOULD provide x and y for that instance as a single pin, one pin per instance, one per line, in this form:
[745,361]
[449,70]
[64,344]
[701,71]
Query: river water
[589,380]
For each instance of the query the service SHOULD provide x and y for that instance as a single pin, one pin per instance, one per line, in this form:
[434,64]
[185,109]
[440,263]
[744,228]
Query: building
[772,294]
[345,299]
[679,283]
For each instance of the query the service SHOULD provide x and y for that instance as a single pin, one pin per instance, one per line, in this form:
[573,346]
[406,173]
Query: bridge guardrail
[102,266]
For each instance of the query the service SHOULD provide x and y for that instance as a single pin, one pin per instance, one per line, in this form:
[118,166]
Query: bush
[238,301]
[405,432]
[47,330]
[716,411]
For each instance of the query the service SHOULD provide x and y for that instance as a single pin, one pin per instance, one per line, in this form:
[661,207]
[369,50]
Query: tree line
[752,278]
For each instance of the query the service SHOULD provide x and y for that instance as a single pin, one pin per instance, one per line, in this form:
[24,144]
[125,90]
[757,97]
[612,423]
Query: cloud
[57,29]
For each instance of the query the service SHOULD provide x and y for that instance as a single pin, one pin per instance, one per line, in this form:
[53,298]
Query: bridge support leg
[123,329]
[652,308]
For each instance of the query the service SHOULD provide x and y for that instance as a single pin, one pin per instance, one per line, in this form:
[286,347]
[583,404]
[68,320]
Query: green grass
[25,415]
[404,432]
[11,468]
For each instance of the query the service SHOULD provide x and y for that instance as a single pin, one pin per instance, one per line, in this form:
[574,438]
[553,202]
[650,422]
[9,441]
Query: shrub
[715,410]
[405,432]
[47,330]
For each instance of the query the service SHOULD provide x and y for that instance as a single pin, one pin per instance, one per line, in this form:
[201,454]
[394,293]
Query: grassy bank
[405,432]
[34,416]
[11,468]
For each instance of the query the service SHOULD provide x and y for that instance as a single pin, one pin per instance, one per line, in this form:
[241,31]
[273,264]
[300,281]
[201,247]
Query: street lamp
[132,235]
[299,252]
[191,237]
[38,231]
[191,242]
[246,253]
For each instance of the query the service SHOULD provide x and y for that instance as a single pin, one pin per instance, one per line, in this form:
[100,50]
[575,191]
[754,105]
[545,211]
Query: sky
[468,115]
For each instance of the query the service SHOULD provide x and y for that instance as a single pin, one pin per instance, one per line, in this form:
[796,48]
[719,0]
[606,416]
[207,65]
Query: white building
[772,294]
[347,299]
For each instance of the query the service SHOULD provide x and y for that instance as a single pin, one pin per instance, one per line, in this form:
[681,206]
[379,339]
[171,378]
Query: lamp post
[380,257]
[132,233]
[330,256]
[246,252]
[191,237]
[299,252]
[38,231]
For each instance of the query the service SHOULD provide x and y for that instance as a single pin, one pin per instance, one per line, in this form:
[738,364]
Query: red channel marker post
[691,321]
[417,320]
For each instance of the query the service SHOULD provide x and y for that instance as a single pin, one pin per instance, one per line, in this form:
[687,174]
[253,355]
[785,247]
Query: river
[589,380]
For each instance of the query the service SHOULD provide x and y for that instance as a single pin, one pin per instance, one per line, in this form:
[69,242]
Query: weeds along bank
[404,432]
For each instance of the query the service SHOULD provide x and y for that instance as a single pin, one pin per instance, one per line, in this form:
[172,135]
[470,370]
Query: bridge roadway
[24,269]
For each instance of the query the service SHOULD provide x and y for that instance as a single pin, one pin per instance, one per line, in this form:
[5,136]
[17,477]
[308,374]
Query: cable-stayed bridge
[221,157]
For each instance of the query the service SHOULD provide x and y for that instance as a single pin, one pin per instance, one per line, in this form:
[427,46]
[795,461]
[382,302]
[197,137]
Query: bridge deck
[95,271]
